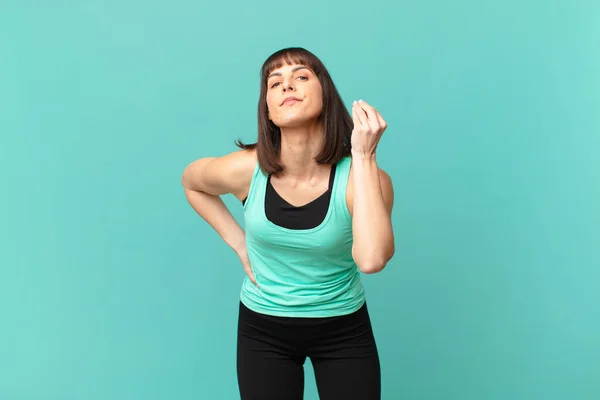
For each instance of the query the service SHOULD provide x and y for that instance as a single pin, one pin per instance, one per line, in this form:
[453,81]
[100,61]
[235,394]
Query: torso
[299,244]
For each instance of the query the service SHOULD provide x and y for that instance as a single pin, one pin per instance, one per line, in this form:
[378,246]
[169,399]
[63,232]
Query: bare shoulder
[387,189]
[241,162]
[230,173]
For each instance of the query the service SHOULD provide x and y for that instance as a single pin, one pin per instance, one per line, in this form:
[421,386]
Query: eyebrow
[293,70]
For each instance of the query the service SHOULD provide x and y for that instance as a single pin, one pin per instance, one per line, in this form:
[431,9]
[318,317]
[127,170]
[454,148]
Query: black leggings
[272,350]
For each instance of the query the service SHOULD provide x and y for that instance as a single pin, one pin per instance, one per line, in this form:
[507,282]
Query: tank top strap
[256,192]
[340,185]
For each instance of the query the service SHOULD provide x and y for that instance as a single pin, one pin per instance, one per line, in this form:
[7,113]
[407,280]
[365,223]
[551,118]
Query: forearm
[371,220]
[214,211]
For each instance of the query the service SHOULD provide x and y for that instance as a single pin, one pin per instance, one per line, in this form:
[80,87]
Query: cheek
[271,105]
[317,102]
[269,101]
[317,96]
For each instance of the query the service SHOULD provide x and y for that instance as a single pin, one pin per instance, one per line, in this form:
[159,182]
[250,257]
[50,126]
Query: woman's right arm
[206,179]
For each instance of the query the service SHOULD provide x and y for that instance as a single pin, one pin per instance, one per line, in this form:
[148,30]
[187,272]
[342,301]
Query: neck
[299,147]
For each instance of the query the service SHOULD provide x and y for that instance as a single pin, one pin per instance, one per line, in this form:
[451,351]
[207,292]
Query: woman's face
[294,96]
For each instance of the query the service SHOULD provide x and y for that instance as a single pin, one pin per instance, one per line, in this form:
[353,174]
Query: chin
[296,121]
[292,123]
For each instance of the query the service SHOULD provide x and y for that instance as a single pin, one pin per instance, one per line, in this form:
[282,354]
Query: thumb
[248,270]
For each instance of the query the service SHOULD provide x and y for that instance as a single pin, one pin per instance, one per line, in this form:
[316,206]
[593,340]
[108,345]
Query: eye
[275,84]
[303,78]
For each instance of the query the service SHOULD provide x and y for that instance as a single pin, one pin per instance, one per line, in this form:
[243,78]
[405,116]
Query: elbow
[190,175]
[374,264]
[371,268]
[183,179]
[186,182]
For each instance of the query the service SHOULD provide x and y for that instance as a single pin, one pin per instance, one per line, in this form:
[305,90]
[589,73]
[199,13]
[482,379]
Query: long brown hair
[336,120]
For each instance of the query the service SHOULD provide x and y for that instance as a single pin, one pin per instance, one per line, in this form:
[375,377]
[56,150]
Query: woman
[317,212]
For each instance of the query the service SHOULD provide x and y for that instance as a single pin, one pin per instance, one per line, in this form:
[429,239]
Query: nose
[287,85]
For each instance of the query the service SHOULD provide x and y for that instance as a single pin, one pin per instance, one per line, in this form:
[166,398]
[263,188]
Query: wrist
[239,246]
[362,155]
[364,161]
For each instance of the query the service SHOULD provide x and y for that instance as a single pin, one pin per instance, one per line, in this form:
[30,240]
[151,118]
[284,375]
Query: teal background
[112,288]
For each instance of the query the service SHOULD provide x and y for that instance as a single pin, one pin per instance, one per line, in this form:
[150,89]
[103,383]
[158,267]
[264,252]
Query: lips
[290,100]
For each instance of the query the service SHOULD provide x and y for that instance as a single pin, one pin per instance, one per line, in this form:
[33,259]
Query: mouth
[290,100]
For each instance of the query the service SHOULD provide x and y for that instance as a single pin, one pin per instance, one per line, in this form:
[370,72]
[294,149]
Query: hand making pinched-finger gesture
[369,125]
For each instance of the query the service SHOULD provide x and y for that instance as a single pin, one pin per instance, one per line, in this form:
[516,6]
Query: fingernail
[360,101]
[354,102]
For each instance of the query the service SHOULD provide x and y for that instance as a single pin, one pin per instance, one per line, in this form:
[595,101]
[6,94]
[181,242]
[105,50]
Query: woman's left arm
[373,193]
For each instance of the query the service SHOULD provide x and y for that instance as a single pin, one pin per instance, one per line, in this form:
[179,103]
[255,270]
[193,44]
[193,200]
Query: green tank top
[301,273]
